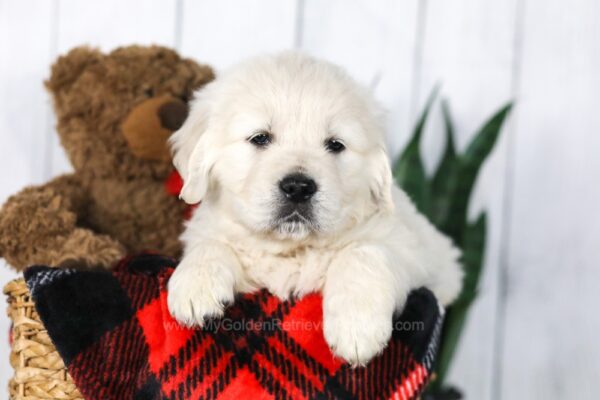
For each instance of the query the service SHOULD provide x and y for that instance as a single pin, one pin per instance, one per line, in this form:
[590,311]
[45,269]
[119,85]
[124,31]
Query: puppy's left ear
[381,180]
[190,147]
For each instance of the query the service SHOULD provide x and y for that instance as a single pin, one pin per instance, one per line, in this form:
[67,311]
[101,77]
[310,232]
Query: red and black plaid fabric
[118,341]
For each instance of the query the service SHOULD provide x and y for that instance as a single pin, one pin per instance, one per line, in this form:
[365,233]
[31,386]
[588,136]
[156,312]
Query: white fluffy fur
[367,246]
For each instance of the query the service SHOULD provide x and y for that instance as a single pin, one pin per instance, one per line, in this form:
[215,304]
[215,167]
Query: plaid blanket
[119,341]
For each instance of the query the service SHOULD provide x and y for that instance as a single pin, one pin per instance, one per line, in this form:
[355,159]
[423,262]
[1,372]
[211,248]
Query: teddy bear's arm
[40,225]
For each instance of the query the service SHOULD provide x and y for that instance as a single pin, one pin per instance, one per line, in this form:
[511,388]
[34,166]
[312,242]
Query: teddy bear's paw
[194,296]
[357,334]
[84,249]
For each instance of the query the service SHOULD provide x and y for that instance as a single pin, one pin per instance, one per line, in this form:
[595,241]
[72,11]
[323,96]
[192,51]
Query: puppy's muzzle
[298,188]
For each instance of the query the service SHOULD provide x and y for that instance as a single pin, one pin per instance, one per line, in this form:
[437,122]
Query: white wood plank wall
[532,334]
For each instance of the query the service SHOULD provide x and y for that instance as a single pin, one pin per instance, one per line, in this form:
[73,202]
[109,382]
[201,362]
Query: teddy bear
[114,114]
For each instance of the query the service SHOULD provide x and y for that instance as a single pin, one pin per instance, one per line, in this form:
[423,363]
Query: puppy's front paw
[195,294]
[357,334]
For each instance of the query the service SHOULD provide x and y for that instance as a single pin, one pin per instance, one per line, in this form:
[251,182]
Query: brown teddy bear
[114,114]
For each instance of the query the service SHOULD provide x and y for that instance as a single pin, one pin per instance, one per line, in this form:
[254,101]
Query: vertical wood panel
[375,41]
[226,31]
[111,23]
[549,340]
[468,48]
[25,46]
[551,348]
[108,24]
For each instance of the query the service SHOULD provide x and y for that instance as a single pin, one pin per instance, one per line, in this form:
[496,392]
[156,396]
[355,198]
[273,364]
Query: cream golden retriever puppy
[287,155]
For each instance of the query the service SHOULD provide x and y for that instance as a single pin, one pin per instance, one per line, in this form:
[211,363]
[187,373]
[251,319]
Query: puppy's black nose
[298,188]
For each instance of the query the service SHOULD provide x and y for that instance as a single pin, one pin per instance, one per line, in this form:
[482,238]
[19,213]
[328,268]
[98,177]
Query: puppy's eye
[261,139]
[334,146]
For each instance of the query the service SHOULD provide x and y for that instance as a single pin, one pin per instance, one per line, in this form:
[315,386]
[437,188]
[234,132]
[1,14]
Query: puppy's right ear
[191,157]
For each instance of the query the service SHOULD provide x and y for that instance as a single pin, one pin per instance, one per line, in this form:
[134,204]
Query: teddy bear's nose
[172,114]
[148,126]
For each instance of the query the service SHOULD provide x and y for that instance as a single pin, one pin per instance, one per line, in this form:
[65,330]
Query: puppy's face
[285,145]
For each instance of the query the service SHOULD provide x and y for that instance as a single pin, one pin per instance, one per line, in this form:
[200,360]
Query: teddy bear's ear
[191,150]
[70,66]
[201,74]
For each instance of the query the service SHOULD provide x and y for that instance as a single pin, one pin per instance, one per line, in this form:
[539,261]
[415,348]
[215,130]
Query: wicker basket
[39,371]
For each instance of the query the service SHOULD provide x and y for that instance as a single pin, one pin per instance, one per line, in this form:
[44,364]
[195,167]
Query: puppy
[287,155]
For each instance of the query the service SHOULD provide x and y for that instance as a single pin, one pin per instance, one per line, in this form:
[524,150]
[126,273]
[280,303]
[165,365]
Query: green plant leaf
[409,171]
[453,325]
[456,315]
[462,180]
[473,253]
[454,181]
[440,184]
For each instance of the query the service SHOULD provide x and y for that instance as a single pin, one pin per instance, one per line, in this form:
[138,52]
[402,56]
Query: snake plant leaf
[473,254]
[464,175]
[440,187]
[409,170]
[453,325]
